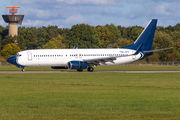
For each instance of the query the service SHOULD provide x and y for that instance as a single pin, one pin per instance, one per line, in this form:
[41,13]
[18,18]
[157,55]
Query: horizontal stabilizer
[150,51]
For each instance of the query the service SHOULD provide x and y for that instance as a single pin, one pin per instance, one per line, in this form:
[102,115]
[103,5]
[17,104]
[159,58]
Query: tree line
[86,36]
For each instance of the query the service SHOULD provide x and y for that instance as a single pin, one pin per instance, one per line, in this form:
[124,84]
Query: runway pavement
[88,72]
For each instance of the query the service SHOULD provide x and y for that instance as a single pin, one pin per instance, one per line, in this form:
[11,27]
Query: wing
[97,61]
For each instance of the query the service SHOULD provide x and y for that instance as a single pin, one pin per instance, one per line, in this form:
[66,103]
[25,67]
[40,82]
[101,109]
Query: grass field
[100,68]
[93,96]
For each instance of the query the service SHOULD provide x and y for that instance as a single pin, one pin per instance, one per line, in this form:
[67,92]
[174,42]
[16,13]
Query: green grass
[100,68]
[93,96]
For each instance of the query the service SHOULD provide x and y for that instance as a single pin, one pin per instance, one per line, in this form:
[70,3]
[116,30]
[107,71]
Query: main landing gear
[90,69]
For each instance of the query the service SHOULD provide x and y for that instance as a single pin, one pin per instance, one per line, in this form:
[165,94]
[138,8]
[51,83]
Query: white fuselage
[61,57]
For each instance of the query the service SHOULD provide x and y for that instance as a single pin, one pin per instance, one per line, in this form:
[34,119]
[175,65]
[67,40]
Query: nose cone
[12,60]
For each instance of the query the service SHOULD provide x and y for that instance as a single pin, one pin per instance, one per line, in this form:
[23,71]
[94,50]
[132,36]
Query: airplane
[81,59]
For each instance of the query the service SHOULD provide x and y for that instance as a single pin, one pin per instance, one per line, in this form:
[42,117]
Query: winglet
[75,47]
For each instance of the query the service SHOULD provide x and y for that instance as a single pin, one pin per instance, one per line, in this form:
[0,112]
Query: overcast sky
[65,13]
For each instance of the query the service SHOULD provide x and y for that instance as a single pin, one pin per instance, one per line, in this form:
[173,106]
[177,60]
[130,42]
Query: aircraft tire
[90,69]
[23,70]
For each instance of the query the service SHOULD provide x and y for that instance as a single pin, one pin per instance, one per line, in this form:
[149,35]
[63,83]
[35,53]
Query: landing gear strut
[90,69]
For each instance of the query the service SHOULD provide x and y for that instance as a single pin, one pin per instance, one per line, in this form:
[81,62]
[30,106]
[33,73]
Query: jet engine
[77,65]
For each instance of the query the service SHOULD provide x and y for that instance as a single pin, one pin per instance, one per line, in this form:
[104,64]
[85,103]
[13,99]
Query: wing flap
[100,60]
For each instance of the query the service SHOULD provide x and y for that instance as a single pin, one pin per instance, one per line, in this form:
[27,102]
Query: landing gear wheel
[23,70]
[79,70]
[90,69]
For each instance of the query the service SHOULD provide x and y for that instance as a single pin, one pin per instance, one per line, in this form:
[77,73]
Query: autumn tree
[177,44]
[177,49]
[54,43]
[153,58]
[0,42]
[122,42]
[3,31]
[114,30]
[105,35]
[21,42]
[175,35]
[124,32]
[135,31]
[161,41]
[8,39]
[10,49]
[82,35]
[171,57]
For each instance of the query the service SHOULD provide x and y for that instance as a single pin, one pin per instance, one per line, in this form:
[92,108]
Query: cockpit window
[18,55]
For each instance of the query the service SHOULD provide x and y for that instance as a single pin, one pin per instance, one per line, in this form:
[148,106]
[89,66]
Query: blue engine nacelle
[77,65]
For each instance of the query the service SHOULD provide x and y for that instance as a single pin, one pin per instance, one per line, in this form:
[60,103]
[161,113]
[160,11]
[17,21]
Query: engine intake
[77,65]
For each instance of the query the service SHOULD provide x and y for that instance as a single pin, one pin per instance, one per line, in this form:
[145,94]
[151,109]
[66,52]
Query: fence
[4,63]
[153,63]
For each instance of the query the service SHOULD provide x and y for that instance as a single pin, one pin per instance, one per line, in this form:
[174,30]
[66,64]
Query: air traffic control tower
[13,20]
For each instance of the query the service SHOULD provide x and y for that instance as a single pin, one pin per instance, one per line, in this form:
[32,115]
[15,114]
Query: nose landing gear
[23,70]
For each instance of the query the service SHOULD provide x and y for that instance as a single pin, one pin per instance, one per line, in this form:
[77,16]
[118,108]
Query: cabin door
[29,54]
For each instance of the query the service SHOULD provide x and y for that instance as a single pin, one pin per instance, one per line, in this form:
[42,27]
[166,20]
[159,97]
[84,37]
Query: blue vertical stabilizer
[146,37]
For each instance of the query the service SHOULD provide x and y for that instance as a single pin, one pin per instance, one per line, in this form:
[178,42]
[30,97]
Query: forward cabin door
[29,54]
